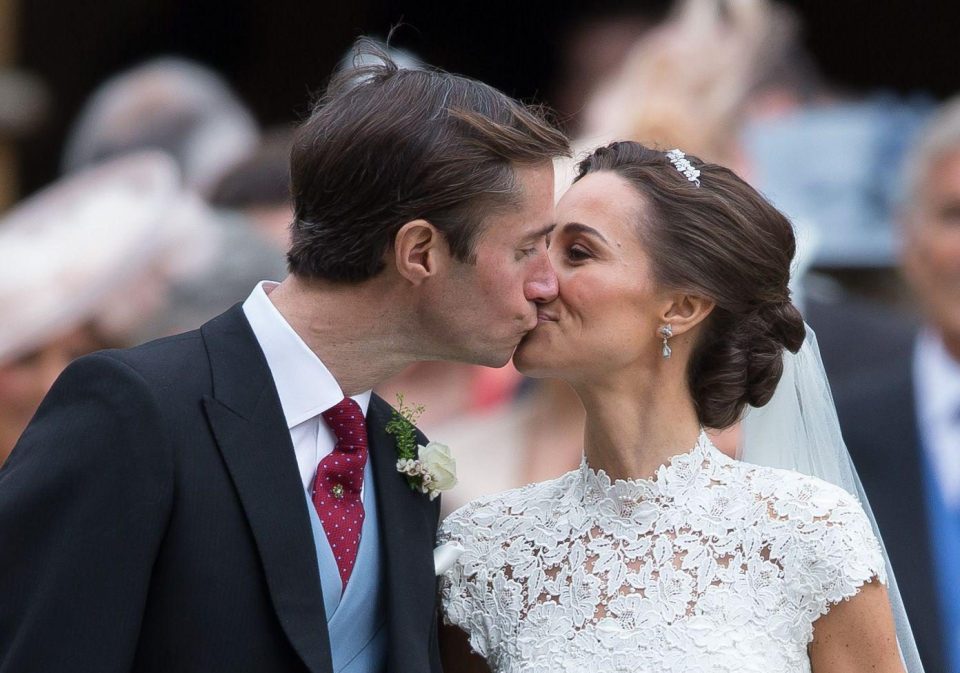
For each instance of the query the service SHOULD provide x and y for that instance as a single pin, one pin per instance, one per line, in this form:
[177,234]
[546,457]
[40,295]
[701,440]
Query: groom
[228,499]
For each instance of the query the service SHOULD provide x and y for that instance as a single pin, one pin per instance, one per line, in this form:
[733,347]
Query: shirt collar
[306,387]
[938,379]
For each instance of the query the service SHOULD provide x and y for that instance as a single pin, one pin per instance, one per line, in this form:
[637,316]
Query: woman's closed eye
[578,253]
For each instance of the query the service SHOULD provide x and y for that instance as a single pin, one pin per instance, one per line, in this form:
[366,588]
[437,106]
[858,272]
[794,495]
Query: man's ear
[419,250]
[685,311]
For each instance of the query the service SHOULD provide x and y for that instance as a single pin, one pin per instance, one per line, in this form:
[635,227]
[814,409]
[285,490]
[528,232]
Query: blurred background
[143,190]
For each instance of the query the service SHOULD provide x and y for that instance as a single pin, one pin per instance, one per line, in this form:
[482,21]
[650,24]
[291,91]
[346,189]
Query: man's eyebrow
[577,228]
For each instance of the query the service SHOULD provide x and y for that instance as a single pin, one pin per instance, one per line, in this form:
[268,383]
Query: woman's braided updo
[723,241]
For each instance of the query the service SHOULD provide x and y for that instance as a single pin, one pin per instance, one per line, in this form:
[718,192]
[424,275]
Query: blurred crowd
[173,203]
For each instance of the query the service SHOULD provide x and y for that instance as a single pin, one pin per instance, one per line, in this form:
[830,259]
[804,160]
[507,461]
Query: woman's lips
[543,316]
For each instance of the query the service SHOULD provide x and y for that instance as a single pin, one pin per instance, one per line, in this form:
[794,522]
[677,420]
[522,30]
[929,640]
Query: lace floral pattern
[712,565]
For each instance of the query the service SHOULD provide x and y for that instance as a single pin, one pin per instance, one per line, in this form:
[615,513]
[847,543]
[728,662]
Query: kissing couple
[236,499]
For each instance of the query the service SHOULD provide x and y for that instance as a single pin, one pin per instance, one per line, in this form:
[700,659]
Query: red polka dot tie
[336,488]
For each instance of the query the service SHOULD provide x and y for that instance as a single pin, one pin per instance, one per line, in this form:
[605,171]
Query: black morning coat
[152,519]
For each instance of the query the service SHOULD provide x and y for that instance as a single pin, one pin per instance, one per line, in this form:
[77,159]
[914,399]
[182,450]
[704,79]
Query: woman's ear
[419,251]
[686,311]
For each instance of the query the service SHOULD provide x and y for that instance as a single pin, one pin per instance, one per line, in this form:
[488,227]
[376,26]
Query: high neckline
[596,484]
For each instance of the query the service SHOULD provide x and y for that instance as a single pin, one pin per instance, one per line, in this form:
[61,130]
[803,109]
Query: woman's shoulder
[818,533]
[506,513]
[814,521]
[791,495]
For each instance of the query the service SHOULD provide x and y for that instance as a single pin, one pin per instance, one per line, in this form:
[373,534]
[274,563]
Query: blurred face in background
[931,257]
[25,380]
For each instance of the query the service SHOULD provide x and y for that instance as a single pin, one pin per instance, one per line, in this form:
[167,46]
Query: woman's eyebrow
[578,228]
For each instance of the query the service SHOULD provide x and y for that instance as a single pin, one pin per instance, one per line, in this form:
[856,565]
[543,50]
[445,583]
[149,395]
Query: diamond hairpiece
[682,164]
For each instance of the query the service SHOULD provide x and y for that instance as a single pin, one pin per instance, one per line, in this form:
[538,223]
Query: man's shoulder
[176,361]
[165,362]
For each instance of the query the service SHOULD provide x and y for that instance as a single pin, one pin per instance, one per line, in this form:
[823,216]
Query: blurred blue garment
[945,544]
[836,167]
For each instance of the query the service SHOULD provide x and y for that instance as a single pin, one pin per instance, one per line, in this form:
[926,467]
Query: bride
[661,553]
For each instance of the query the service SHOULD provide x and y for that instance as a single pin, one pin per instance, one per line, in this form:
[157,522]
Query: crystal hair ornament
[682,164]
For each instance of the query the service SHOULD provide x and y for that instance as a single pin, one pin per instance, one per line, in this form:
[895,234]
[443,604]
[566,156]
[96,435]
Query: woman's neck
[637,421]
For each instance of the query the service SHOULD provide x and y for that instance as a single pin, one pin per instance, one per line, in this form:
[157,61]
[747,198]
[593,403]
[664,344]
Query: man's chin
[529,359]
[494,358]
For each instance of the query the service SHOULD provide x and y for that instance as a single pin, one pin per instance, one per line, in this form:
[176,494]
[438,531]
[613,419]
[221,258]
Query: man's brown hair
[386,145]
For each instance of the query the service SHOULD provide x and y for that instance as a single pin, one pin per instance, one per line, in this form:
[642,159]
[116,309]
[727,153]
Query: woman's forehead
[601,199]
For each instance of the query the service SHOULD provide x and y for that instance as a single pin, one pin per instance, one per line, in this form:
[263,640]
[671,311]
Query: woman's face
[605,316]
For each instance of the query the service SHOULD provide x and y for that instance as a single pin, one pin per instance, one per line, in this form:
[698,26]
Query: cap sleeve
[841,552]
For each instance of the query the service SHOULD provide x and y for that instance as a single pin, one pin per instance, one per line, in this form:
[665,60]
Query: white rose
[441,466]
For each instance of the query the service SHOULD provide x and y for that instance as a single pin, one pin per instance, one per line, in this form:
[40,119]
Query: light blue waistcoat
[356,620]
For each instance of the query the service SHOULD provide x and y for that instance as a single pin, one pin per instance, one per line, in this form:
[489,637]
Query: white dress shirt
[306,386]
[937,381]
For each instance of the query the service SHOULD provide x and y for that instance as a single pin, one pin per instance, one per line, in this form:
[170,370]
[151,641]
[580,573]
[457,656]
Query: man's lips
[544,316]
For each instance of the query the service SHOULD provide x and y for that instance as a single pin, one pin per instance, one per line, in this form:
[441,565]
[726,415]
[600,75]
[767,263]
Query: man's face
[931,257]
[479,311]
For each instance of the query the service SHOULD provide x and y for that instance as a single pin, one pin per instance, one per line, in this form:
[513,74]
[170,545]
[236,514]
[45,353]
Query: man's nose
[542,286]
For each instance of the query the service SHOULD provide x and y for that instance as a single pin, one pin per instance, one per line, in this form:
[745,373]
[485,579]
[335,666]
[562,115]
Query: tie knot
[346,421]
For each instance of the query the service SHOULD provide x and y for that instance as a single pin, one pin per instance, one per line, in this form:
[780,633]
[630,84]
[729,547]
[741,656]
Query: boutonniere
[429,469]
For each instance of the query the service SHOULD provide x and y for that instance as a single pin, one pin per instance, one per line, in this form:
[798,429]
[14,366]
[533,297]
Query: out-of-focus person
[169,104]
[67,255]
[686,83]
[594,48]
[232,256]
[259,188]
[187,111]
[901,418]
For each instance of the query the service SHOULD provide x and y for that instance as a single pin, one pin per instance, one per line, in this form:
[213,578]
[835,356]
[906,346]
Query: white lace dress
[713,565]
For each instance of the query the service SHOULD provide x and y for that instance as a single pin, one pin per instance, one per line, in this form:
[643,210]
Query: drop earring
[666,332]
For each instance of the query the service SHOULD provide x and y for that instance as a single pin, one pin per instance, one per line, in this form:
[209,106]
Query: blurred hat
[66,249]
[170,104]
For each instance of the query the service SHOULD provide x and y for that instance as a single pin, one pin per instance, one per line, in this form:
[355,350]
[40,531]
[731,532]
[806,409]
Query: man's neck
[351,328]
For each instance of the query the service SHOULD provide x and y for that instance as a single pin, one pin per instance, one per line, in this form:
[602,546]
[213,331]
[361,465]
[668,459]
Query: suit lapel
[251,433]
[408,528]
